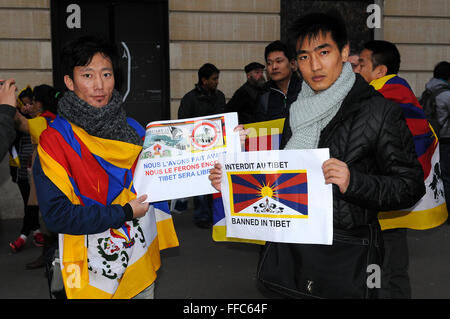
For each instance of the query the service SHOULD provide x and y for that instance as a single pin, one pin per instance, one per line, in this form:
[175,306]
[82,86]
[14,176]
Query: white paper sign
[177,155]
[278,196]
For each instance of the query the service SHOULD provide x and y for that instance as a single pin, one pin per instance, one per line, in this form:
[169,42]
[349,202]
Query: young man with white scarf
[373,167]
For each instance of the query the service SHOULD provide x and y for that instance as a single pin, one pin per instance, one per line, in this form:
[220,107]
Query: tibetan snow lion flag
[259,193]
[262,136]
[431,210]
[118,263]
[278,196]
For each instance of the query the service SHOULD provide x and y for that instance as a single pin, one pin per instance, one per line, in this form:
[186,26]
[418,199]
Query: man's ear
[380,71]
[68,82]
[345,52]
[294,64]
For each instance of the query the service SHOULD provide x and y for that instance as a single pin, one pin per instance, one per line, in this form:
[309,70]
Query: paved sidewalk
[203,269]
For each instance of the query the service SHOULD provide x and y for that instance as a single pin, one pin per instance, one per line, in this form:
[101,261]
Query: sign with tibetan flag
[180,153]
[431,210]
[262,136]
[278,196]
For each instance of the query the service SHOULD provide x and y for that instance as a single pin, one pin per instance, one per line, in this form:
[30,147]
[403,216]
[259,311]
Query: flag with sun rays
[267,193]
[277,196]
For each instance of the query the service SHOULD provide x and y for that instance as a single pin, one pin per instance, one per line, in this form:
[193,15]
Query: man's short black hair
[314,24]
[80,52]
[278,46]
[384,53]
[206,70]
[442,71]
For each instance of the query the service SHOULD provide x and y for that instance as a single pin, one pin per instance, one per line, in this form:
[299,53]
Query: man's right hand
[8,92]
[215,176]
[139,207]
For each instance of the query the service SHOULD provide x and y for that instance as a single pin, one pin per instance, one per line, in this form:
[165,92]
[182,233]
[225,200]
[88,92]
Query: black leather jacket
[370,135]
[274,104]
[199,102]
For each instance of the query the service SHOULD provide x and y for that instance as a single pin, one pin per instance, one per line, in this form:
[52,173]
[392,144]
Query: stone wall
[26,55]
[421,31]
[227,33]
[25,42]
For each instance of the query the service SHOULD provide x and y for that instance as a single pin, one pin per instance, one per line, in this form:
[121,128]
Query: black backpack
[428,103]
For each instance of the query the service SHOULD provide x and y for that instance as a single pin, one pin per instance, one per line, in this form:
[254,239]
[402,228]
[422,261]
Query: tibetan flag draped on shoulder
[38,124]
[262,136]
[431,210]
[118,263]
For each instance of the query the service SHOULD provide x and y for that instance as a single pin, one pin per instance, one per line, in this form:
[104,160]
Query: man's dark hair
[206,70]
[278,46]
[80,52]
[384,53]
[48,96]
[442,71]
[314,24]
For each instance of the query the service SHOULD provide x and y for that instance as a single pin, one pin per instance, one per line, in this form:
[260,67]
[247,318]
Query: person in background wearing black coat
[7,111]
[284,83]
[205,99]
[245,101]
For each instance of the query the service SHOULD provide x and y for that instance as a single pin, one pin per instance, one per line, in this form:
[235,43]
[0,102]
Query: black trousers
[31,213]
[395,282]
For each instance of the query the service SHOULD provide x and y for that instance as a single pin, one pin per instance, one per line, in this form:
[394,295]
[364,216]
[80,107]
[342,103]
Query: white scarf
[311,112]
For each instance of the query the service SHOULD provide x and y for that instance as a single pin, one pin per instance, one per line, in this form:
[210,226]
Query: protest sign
[278,196]
[177,155]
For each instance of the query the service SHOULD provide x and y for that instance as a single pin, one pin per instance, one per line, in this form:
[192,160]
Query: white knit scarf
[311,112]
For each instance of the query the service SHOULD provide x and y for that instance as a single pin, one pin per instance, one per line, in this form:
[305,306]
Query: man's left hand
[336,172]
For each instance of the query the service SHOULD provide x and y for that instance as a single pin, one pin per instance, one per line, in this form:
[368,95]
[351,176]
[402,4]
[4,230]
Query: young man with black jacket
[283,86]
[373,167]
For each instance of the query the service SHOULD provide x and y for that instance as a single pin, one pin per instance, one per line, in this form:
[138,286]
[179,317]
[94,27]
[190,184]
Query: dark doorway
[140,31]
[354,13]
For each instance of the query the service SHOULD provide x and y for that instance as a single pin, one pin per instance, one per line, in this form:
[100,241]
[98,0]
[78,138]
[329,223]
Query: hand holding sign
[278,196]
[180,153]
[215,176]
[336,172]
[138,206]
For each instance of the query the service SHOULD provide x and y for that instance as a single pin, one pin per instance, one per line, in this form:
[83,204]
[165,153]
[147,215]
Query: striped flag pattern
[431,210]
